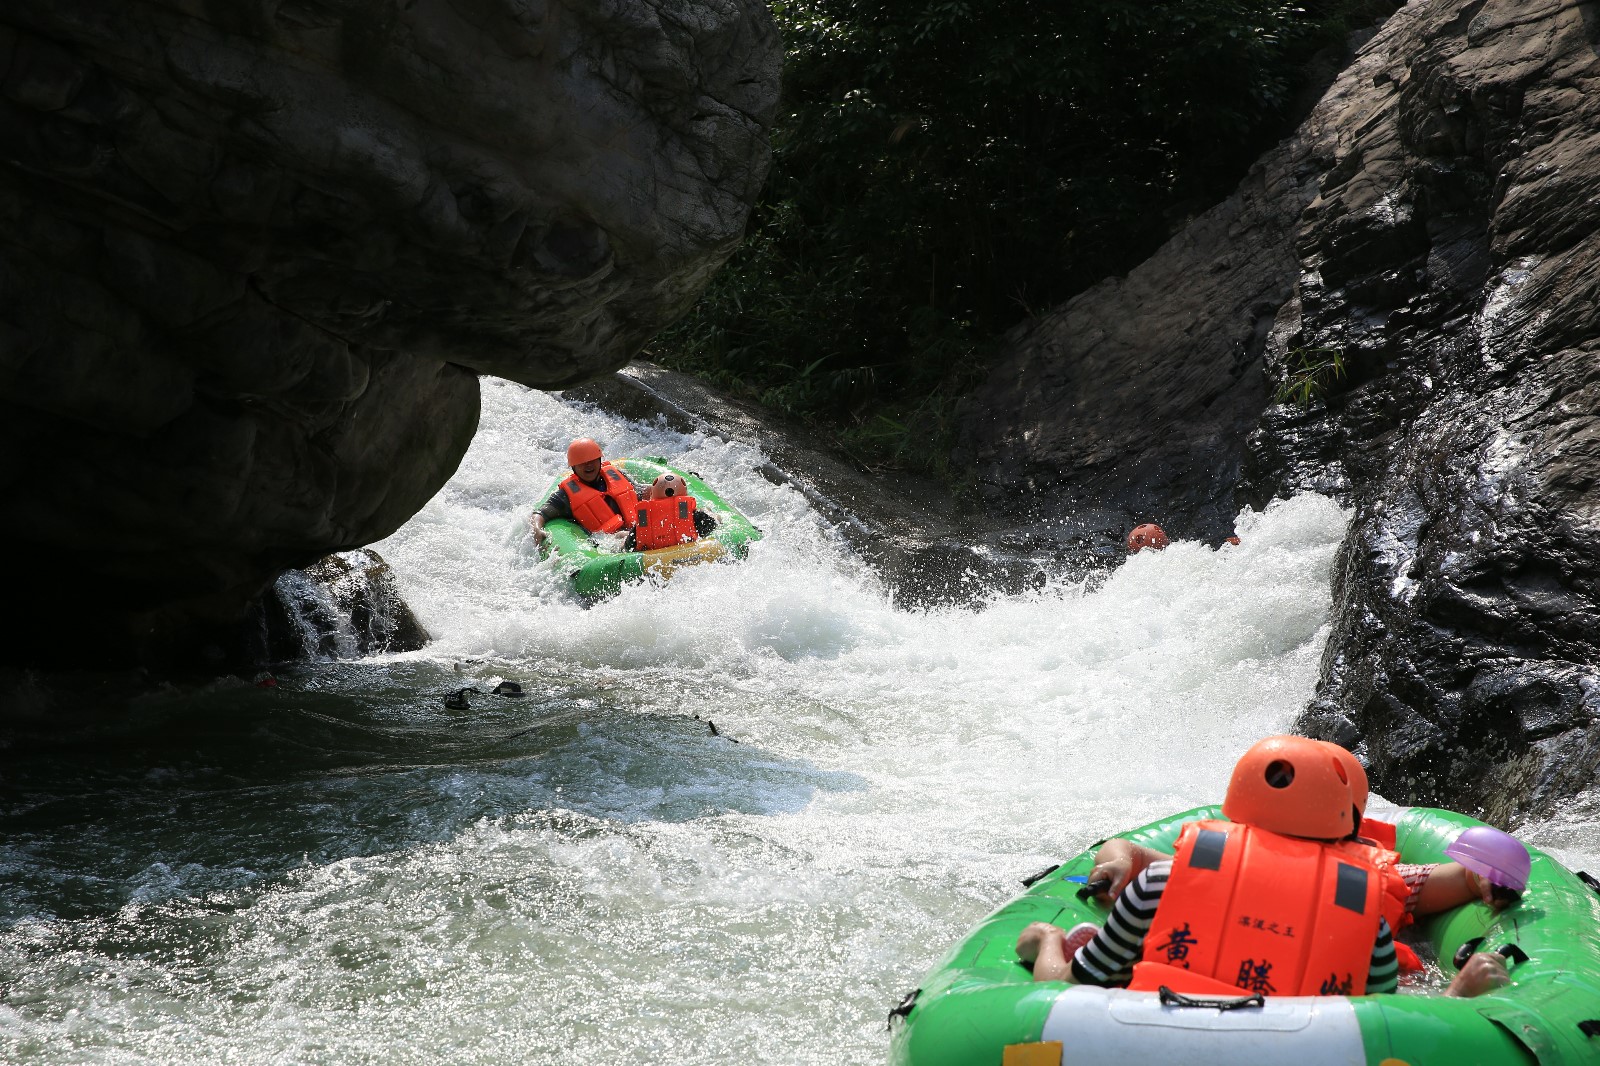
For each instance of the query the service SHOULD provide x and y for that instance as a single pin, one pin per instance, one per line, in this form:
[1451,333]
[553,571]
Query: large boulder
[253,256]
[1433,228]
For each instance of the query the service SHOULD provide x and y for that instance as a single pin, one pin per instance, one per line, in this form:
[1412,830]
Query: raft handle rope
[1029,882]
[1590,880]
[902,1008]
[1169,998]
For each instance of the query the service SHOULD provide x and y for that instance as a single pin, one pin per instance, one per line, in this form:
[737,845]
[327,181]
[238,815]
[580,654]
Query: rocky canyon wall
[1435,224]
[253,256]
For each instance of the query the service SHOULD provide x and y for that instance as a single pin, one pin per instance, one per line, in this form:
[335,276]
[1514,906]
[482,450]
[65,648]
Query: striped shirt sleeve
[1383,972]
[1108,958]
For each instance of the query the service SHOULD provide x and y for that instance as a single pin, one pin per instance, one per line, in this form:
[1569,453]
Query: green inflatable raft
[596,573]
[980,1007]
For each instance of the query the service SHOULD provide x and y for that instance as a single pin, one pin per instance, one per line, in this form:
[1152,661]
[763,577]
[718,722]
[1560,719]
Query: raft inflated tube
[596,573]
[980,1005]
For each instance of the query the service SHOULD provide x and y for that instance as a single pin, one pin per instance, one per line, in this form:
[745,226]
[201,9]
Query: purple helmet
[1490,853]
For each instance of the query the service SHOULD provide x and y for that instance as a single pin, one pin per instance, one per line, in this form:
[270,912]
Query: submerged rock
[342,607]
[253,256]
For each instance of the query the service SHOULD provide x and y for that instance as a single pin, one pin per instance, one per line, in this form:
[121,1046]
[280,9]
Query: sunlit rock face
[1436,224]
[253,256]
[1451,257]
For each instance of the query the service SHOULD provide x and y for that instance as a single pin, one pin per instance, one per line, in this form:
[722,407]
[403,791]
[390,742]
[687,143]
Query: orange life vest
[1246,910]
[665,522]
[589,505]
[1395,892]
[1383,834]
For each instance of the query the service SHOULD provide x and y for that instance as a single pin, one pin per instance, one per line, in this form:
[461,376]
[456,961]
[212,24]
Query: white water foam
[661,895]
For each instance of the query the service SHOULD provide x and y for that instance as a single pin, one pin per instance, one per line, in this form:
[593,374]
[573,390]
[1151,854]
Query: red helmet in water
[1293,786]
[1148,535]
[668,485]
[583,450]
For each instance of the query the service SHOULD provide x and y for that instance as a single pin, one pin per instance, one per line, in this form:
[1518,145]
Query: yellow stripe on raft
[663,561]
[1044,1053]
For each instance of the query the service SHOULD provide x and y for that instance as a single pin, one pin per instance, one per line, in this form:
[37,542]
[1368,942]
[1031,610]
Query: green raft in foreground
[597,573]
[980,1007]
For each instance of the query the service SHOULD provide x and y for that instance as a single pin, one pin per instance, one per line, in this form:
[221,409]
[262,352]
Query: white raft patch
[1114,1024]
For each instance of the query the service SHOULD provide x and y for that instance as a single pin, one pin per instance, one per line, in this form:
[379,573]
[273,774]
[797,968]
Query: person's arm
[557,506]
[1450,885]
[704,524]
[1484,972]
[1109,956]
[1044,945]
[1120,861]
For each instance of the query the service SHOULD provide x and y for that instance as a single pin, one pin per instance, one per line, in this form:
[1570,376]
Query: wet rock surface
[1435,224]
[1451,258]
[1132,402]
[345,606]
[253,256]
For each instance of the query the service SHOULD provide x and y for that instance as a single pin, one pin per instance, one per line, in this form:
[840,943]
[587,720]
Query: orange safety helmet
[1359,789]
[1148,535]
[1291,785]
[668,485]
[583,450]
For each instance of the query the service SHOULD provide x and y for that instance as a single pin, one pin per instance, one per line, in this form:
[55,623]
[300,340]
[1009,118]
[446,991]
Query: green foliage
[944,168]
[1311,373]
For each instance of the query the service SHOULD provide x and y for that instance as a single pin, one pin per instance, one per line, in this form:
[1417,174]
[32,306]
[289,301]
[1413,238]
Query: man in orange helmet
[1270,901]
[597,495]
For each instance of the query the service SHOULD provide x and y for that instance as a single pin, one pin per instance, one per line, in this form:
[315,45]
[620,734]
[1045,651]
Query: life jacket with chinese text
[665,522]
[589,505]
[1246,910]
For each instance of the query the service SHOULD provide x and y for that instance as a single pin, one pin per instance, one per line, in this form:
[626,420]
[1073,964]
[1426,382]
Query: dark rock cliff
[253,256]
[1436,223]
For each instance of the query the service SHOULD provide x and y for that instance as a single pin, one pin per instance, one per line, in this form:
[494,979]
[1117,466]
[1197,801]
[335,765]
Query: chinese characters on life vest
[1177,946]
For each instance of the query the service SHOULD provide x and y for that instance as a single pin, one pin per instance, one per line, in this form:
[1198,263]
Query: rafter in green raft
[596,573]
[980,1007]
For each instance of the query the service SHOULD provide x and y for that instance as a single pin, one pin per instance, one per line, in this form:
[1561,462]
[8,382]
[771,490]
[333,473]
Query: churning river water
[343,870]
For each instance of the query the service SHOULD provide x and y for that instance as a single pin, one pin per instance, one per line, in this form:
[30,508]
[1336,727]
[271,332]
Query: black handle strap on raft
[1590,880]
[1470,948]
[902,1008]
[1169,998]
[1029,882]
[1094,888]
[1590,1027]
